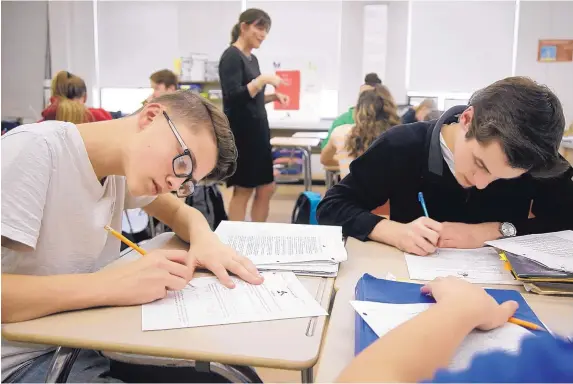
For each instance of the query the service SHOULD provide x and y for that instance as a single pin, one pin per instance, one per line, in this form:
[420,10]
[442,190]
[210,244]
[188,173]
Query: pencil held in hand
[125,240]
[525,324]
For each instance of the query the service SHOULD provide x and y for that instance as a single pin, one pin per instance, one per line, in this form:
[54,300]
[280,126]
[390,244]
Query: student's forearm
[29,297]
[384,232]
[413,351]
[191,226]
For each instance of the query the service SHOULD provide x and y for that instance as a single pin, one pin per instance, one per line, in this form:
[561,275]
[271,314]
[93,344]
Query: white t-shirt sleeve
[26,172]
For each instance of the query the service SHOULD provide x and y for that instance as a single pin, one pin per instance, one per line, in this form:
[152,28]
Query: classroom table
[317,135]
[304,144]
[377,259]
[291,344]
[331,175]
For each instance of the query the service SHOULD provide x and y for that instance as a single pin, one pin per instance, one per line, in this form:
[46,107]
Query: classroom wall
[395,77]
[546,20]
[24,28]
[72,41]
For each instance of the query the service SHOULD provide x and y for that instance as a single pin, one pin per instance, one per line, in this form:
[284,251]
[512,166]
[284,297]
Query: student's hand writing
[420,237]
[283,99]
[480,307]
[459,235]
[146,279]
[220,258]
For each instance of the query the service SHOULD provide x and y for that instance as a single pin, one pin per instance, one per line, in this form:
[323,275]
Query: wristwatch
[507,230]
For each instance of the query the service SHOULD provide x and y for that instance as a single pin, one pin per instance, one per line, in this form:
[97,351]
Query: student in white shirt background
[63,183]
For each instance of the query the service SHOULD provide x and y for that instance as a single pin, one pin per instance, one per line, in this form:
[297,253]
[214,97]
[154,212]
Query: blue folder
[370,288]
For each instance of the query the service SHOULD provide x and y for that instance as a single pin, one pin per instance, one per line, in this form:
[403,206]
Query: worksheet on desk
[383,317]
[276,243]
[554,250]
[481,266]
[205,301]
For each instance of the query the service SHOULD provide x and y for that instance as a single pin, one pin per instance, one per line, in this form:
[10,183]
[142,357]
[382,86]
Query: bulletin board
[555,51]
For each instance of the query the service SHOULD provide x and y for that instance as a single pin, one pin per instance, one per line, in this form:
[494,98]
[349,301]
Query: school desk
[377,259]
[291,344]
[303,144]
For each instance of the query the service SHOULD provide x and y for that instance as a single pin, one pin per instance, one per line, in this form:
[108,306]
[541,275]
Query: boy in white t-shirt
[61,184]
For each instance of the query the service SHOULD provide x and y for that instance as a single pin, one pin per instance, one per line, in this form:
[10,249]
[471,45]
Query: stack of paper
[382,318]
[312,250]
[205,301]
[481,266]
[552,250]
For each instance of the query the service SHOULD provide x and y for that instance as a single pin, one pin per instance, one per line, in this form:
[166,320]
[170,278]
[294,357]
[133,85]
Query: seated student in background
[375,112]
[480,168]
[62,183]
[370,80]
[69,95]
[420,112]
[421,348]
[164,81]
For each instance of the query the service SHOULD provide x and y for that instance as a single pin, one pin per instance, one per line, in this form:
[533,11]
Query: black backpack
[208,200]
[304,211]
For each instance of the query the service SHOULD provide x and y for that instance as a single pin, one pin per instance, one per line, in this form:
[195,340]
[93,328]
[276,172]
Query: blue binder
[370,288]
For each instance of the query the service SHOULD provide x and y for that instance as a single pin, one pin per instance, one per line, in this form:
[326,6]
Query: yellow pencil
[125,240]
[525,324]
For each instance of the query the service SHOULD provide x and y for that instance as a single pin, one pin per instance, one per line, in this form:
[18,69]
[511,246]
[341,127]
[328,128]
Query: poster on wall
[291,88]
[555,51]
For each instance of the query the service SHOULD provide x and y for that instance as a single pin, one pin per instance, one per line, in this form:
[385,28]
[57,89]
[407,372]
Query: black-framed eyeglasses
[183,163]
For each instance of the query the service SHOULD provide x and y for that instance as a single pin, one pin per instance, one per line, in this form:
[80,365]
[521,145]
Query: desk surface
[378,259]
[317,125]
[287,344]
[295,141]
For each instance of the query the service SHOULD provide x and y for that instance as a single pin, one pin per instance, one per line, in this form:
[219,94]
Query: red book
[291,88]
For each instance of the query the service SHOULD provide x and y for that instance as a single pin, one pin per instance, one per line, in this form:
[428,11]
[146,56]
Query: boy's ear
[148,113]
[466,118]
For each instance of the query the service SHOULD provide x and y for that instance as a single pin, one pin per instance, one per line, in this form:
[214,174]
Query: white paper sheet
[383,317]
[275,243]
[481,266]
[205,301]
[554,249]
[310,268]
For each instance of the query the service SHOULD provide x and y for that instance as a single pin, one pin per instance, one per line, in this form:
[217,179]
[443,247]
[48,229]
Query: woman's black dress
[248,119]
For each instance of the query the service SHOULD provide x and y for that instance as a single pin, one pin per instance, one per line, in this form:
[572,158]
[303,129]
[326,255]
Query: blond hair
[195,112]
[375,113]
[66,88]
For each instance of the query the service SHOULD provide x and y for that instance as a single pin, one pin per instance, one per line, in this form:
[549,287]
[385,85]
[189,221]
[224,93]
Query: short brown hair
[166,77]
[192,110]
[527,120]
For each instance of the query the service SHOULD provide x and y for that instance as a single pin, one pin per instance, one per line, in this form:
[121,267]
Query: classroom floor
[282,204]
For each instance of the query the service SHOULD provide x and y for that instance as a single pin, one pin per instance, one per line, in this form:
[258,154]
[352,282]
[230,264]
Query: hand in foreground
[459,235]
[461,295]
[146,279]
[220,258]
[420,237]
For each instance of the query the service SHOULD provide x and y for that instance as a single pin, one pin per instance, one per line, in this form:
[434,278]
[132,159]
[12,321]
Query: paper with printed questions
[554,250]
[481,266]
[383,317]
[205,301]
[274,243]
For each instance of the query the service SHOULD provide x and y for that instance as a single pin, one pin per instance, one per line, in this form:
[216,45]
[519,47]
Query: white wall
[72,41]
[350,76]
[546,20]
[24,38]
[460,46]
[395,78]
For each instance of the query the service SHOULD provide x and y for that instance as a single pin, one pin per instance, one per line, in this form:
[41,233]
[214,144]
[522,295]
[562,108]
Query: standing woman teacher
[244,102]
